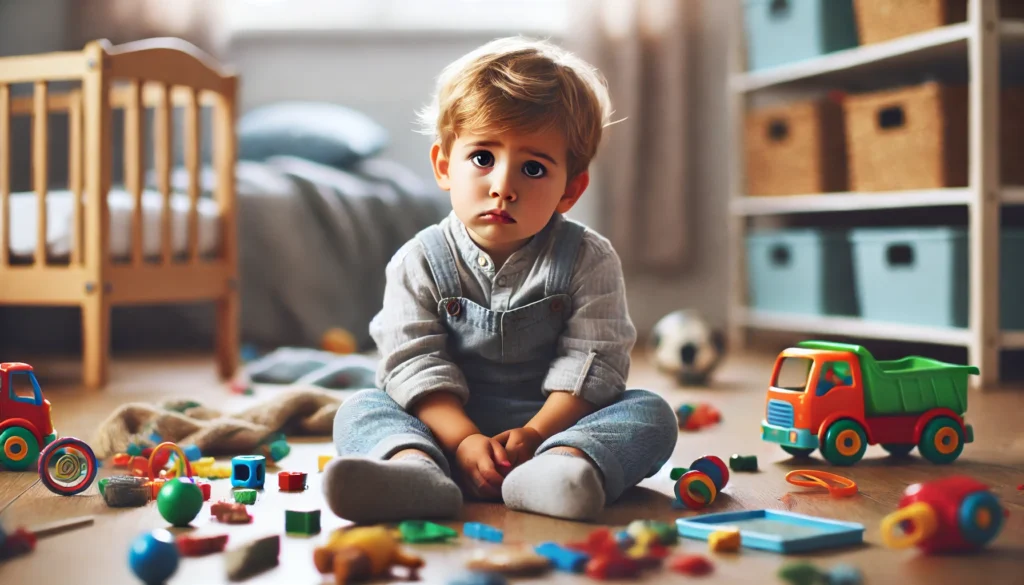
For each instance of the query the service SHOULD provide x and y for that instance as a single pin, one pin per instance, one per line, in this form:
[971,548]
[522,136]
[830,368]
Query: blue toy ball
[153,557]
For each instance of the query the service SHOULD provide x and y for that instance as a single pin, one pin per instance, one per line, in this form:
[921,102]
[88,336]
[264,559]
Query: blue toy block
[482,532]
[563,559]
[248,471]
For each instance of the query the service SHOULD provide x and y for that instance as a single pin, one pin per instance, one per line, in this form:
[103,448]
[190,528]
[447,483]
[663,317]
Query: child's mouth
[496,217]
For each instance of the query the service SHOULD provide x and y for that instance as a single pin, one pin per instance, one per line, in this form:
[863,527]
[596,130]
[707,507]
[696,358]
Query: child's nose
[502,187]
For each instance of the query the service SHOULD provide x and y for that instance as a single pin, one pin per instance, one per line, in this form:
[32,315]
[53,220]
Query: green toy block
[302,521]
[801,573]
[424,531]
[245,496]
[743,463]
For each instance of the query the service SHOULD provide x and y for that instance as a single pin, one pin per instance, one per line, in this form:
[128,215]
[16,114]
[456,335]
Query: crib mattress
[60,216]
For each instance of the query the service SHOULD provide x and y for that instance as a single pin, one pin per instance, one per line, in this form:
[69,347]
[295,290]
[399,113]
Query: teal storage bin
[804,271]
[784,31]
[921,276]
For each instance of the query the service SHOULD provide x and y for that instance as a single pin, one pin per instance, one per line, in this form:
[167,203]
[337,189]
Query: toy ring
[685,490]
[840,487]
[67,466]
[183,467]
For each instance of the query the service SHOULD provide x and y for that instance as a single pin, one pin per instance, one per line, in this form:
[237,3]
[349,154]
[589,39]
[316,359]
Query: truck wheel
[981,518]
[942,441]
[797,451]
[845,443]
[898,449]
[18,449]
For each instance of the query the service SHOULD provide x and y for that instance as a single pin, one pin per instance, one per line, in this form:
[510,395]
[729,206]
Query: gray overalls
[505,356]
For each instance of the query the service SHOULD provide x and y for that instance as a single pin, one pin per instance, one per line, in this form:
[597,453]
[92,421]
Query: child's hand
[520,444]
[477,458]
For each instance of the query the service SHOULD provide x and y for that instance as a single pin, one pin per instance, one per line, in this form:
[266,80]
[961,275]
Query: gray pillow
[326,133]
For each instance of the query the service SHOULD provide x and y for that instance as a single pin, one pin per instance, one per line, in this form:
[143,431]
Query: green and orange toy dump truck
[837,398]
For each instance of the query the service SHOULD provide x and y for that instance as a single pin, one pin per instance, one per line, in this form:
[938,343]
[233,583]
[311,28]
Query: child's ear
[440,164]
[573,190]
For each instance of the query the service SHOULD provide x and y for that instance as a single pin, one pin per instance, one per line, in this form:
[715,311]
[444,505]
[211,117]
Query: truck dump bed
[909,385]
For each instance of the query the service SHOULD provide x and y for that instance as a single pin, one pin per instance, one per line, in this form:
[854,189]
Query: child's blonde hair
[526,85]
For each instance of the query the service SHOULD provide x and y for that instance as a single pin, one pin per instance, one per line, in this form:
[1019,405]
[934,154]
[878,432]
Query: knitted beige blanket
[292,412]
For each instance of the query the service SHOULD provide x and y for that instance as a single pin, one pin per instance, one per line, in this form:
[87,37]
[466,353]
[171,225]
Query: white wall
[389,75]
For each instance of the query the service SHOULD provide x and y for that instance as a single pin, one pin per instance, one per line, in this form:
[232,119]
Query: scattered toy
[801,573]
[302,522]
[695,417]
[953,514]
[363,553]
[664,533]
[153,557]
[562,558]
[23,540]
[291,481]
[323,460]
[230,513]
[482,532]
[415,531]
[197,546]
[248,471]
[775,530]
[245,496]
[693,565]
[724,540]
[743,462]
[67,466]
[840,487]
[510,560]
[698,486]
[252,558]
[125,491]
[179,502]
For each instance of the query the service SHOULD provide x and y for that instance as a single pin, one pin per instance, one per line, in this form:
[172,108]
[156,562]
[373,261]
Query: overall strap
[565,247]
[442,263]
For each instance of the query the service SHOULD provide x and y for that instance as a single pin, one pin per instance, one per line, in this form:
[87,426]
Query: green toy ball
[179,502]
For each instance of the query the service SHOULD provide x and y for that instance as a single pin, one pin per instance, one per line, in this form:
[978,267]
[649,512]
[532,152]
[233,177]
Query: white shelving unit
[978,42]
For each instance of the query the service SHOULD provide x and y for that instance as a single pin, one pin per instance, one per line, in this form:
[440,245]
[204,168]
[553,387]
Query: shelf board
[854,327]
[823,202]
[1012,340]
[909,51]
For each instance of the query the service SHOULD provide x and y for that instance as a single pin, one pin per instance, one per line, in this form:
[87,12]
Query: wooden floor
[98,554]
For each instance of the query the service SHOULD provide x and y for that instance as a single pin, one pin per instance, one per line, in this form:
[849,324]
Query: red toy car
[25,424]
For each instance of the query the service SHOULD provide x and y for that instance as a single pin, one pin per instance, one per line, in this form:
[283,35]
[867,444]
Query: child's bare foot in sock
[409,486]
[562,482]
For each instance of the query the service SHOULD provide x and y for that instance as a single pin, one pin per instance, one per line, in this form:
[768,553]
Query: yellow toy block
[323,460]
[724,540]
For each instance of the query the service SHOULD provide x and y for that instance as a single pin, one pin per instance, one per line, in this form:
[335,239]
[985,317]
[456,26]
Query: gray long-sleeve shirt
[592,358]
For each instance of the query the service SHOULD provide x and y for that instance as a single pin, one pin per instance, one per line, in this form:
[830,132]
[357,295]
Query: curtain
[640,47]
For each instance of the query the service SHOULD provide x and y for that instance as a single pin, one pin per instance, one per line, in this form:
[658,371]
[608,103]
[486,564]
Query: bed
[105,241]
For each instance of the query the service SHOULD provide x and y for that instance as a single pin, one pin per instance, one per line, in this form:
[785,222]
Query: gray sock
[559,485]
[369,491]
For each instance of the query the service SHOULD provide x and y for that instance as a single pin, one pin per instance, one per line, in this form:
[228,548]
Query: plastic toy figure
[360,554]
[837,397]
[953,514]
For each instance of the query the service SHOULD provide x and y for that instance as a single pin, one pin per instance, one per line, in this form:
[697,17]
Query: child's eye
[482,158]
[534,169]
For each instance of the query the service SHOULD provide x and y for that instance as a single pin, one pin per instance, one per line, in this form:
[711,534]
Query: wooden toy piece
[724,540]
[197,546]
[743,462]
[291,481]
[248,471]
[693,565]
[363,553]
[520,561]
[482,532]
[562,558]
[252,558]
[302,521]
[323,460]
[230,513]
[245,496]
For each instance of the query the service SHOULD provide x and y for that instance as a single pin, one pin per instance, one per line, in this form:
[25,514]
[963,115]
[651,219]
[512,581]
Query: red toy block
[693,565]
[614,566]
[122,460]
[291,481]
[599,542]
[197,546]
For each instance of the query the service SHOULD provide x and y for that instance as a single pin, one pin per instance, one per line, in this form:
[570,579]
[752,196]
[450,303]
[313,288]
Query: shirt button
[481,261]
[501,281]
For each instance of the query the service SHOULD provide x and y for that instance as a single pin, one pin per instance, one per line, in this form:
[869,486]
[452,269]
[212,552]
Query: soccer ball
[684,345]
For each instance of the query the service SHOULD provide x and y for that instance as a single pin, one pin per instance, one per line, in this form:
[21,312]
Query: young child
[504,334]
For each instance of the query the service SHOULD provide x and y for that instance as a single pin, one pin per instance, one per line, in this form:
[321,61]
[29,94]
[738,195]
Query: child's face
[506,187]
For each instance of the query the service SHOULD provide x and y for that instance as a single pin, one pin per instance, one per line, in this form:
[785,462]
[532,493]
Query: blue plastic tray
[775,530]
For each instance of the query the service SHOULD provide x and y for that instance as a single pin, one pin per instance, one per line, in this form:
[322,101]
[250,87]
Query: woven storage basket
[795,149]
[907,138]
[916,138]
[881,20]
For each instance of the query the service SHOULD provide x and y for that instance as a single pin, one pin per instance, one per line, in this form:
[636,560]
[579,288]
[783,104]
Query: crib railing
[162,75]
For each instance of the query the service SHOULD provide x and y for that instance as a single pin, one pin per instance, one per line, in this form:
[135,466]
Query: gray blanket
[313,245]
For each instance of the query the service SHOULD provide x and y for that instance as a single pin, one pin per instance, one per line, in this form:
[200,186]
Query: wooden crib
[163,74]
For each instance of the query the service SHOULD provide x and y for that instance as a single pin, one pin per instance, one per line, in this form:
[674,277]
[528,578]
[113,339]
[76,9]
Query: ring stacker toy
[67,466]
[953,514]
[698,486]
[840,487]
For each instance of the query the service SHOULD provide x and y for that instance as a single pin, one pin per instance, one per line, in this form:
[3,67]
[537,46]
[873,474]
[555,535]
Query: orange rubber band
[840,487]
